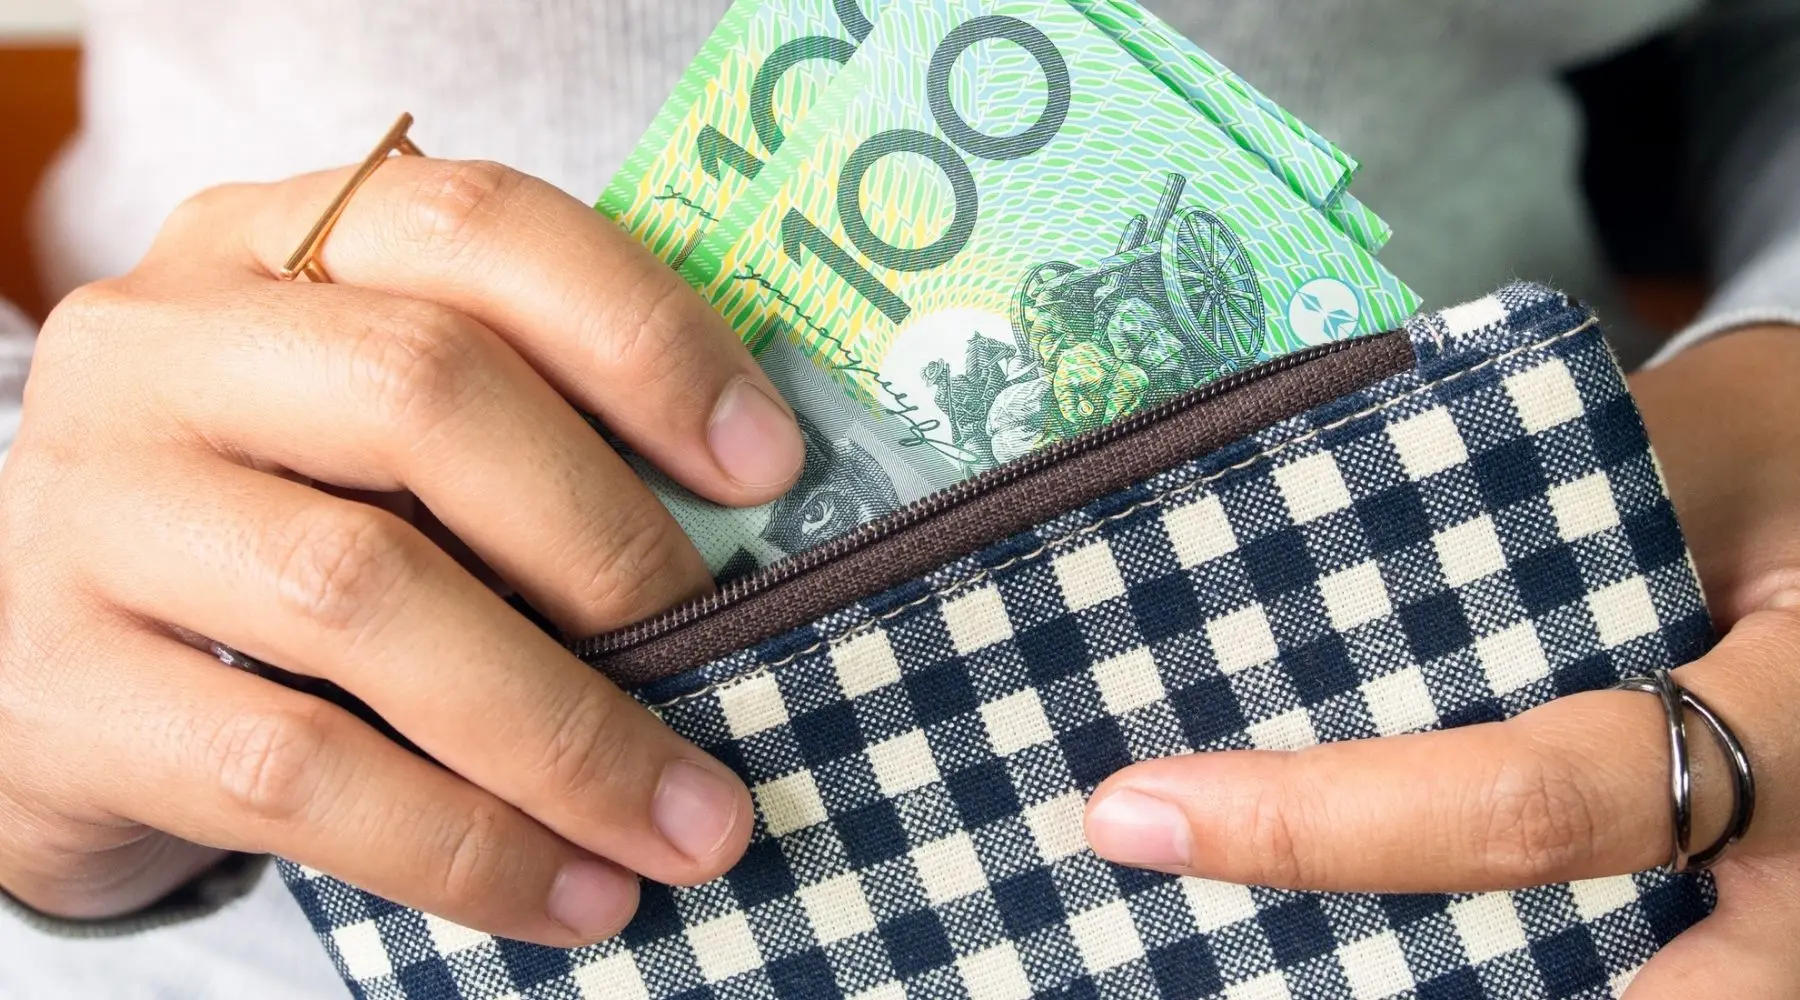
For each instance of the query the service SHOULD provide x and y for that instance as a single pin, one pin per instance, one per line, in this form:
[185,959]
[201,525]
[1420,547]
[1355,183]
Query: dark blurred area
[1634,174]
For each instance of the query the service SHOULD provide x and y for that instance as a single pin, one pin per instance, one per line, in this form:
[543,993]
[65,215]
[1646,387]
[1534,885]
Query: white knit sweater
[1468,143]
[1466,137]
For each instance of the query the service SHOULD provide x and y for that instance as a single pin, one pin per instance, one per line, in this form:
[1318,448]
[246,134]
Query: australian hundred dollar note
[1000,230]
[753,81]
[1313,167]
[1004,383]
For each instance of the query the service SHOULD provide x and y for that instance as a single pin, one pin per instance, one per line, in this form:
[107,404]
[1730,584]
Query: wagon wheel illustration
[1213,290]
[1025,302]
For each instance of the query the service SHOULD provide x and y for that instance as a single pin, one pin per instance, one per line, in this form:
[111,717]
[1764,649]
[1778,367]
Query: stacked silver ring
[1677,701]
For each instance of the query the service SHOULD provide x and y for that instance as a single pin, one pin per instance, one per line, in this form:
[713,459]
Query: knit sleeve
[17,335]
[1743,106]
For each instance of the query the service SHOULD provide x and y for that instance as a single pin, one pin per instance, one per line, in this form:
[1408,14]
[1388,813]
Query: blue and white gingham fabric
[1454,545]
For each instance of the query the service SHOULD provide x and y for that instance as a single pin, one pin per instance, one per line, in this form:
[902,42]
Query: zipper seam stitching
[1174,493]
[600,646]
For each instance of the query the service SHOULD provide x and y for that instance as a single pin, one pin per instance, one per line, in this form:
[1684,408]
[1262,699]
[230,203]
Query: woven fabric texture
[1454,545]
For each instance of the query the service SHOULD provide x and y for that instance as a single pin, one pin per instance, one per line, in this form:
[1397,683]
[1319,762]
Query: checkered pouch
[1442,526]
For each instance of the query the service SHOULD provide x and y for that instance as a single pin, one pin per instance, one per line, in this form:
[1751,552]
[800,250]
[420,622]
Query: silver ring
[1676,700]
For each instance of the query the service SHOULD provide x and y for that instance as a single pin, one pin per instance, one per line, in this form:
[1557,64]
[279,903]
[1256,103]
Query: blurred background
[1631,172]
[39,61]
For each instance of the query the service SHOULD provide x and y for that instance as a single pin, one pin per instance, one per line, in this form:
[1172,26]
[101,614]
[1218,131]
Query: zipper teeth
[935,504]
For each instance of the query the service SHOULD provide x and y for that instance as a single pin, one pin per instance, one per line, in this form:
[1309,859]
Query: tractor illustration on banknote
[1177,305]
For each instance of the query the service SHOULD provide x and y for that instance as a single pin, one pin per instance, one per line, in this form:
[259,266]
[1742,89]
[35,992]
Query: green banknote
[752,83]
[1002,230]
[768,62]
[1319,174]
[1311,165]
[1003,344]
[1128,14]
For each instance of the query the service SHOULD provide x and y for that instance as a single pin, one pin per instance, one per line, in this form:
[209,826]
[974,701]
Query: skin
[1575,789]
[208,451]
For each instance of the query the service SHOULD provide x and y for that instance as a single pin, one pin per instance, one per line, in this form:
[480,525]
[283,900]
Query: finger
[605,322]
[368,391]
[1749,947]
[342,591]
[221,757]
[1572,790]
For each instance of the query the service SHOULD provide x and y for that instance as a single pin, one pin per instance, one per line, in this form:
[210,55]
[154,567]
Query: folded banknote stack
[955,232]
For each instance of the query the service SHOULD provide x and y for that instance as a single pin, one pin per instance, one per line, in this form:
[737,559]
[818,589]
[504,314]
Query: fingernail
[1131,828]
[591,898]
[695,809]
[754,438]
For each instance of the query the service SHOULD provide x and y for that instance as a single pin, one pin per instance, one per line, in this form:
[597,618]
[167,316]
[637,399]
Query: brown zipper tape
[1002,506]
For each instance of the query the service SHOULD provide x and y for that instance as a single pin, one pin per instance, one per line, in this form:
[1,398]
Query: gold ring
[305,260]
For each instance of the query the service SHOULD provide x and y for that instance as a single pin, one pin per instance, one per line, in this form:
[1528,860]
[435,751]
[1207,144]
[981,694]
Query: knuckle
[637,574]
[588,749]
[84,317]
[199,213]
[335,566]
[1274,840]
[103,297]
[459,201]
[81,383]
[1537,820]
[416,365]
[267,764]
[477,866]
[646,331]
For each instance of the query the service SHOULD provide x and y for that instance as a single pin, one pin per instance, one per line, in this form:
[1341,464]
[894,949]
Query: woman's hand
[195,440]
[1576,789]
